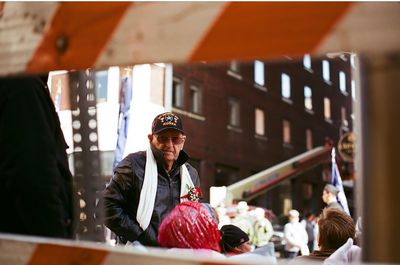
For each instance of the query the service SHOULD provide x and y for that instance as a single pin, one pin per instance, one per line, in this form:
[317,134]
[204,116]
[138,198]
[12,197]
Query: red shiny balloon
[189,225]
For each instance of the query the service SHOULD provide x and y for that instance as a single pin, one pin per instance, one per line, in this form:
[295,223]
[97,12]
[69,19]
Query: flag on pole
[337,182]
[123,118]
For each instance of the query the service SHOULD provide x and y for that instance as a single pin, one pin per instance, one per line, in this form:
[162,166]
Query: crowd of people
[153,198]
[165,210]
[254,222]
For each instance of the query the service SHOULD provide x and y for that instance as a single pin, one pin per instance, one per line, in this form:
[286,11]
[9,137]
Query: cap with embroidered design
[167,120]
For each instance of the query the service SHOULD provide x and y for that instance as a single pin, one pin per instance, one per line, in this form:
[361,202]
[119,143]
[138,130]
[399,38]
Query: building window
[342,82]
[343,114]
[353,60]
[285,79]
[195,97]
[327,108]
[307,61]
[225,175]
[307,191]
[259,73]
[260,122]
[177,92]
[308,98]
[309,140]
[235,66]
[234,70]
[344,126]
[101,85]
[325,71]
[234,112]
[353,89]
[286,132]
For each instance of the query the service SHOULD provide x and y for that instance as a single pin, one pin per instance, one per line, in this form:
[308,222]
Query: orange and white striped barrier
[25,250]
[44,36]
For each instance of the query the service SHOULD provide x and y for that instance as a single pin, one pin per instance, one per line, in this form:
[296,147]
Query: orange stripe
[261,30]
[66,255]
[86,27]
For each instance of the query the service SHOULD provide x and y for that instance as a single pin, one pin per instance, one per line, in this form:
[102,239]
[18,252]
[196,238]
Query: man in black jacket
[147,185]
[36,191]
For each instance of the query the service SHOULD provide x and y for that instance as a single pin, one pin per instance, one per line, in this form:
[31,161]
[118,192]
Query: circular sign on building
[346,147]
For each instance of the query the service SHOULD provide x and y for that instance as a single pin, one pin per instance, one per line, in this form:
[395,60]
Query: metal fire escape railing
[86,155]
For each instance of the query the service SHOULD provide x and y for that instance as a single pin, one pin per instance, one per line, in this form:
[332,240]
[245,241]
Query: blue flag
[337,182]
[123,118]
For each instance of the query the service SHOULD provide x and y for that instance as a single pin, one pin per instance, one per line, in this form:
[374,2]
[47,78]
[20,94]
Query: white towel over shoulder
[149,189]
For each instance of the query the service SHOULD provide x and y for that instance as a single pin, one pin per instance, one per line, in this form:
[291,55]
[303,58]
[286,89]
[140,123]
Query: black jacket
[121,197]
[334,205]
[36,191]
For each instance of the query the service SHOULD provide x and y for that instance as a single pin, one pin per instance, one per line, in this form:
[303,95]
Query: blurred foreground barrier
[16,250]
[43,36]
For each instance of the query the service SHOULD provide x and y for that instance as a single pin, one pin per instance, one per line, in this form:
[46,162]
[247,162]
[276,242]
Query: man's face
[169,142]
[294,219]
[325,196]
[243,248]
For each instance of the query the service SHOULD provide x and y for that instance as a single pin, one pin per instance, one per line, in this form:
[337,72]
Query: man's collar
[182,157]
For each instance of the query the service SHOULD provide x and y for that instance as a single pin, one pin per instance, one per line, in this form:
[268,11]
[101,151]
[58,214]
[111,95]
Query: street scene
[274,144]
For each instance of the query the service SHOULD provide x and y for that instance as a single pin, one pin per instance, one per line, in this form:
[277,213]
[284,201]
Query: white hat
[242,205]
[259,212]
[294,213]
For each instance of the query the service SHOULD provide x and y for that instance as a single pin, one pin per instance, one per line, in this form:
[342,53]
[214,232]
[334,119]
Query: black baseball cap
[233,236]
[167,120]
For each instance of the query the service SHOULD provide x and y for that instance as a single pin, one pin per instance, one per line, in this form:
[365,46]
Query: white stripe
[22,28]
[159,32]
[15,250]
[366,27]
[16,253]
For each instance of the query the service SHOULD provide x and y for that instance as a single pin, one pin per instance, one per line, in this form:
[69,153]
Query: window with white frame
[353,89]
[353,60]
[308,98]
[286,132]
[259,122]
[195,98]
[327,108]
[309,139]
[225,175]
[101,85]
[234,66]
[177,92]
[259,77]
[326,75]
[234,112]
[307,61]
[285,79]
[343,113]
[234,70]
[342,82]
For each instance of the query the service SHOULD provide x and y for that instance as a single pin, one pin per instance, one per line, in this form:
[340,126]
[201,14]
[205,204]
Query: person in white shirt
[295,236]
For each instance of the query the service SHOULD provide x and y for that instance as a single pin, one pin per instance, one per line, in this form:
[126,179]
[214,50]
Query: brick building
[244,117]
